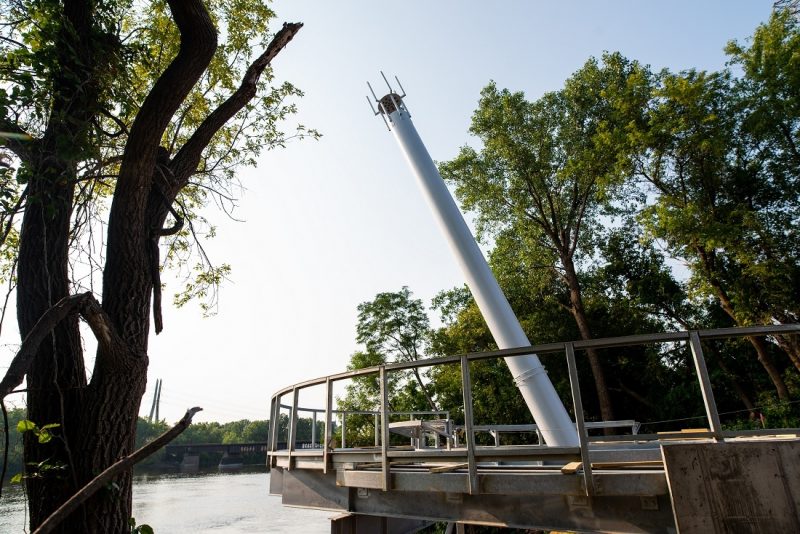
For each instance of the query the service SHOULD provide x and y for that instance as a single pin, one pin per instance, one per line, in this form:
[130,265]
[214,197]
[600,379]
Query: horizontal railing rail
[549,348]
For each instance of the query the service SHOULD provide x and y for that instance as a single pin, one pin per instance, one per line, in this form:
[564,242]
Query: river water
[192,503]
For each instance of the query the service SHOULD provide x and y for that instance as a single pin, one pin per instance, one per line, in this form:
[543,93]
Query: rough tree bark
[579,314]
[98,418]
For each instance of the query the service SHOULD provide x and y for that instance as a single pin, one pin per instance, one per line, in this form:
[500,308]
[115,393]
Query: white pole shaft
[530,376]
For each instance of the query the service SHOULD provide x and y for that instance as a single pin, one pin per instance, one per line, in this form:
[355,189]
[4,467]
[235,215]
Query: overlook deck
[706,480]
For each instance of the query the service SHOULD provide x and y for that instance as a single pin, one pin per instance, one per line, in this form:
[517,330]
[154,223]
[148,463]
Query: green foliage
[119,58]
[393,327]
[547,168]
[15,459]
[604,176]
[635,270]
[255,432]
[203,286]
[43,435]
[546,175]
[140,529]
[44,469]
[721,154]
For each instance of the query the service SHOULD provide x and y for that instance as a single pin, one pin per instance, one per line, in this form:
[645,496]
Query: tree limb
[127,268]
[89,309]
[198,44]
[16,139]
[185,162]
[187,158]
[115,469]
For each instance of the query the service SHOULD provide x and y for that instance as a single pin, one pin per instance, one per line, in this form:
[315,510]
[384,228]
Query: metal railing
[496,430]
[343,420]
[693,338]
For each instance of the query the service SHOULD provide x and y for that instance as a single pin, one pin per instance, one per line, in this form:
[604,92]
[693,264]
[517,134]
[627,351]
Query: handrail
[692,338]
[549,348]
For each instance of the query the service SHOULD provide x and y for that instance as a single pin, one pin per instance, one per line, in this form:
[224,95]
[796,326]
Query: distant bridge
[188,454]
[232,448]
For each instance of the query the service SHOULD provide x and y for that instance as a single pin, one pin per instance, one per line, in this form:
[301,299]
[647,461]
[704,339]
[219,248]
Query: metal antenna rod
[379,106]
[373,92]
[387,83]
[400,85]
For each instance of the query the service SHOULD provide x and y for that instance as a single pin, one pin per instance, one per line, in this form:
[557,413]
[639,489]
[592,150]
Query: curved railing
[382,416]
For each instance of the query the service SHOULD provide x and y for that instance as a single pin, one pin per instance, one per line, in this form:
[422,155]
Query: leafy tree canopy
[120,122]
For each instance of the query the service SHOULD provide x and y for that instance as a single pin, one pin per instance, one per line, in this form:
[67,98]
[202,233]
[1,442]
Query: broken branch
[115,469]
[90,310]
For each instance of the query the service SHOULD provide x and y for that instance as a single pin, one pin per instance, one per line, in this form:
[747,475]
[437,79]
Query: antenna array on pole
[393,101]
[529,374]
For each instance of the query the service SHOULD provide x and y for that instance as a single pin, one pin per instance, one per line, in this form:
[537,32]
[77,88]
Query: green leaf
[146,529]
[51,425]
[25,425]
[16,479]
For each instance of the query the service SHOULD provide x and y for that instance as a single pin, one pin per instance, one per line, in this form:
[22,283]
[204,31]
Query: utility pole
[529,375]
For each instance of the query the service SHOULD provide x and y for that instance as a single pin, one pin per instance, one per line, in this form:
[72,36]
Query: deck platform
[692,481]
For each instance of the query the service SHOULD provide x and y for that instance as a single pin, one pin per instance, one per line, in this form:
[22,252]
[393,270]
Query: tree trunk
[97,420]
[769,365]
[431,404]
[791,347]
[708,262]
[578,312]
[737,387]
[56,376]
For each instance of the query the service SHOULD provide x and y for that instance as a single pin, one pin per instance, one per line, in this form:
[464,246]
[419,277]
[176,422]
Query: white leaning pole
[529,375]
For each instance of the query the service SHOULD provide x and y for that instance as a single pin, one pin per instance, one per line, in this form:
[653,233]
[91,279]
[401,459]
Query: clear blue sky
[331,223]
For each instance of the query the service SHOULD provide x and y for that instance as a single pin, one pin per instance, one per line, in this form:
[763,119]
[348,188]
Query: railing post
[578,406]
[411,417]
[328,424]
[449,428]
[466,388]
[705,385]
[293,426]
[343,413]
[385,465]
[377,431]
[314,429]
[272,446]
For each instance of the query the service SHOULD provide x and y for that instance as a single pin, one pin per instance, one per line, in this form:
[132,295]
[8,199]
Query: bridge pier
[231,461]
[190,463]
[191,453]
